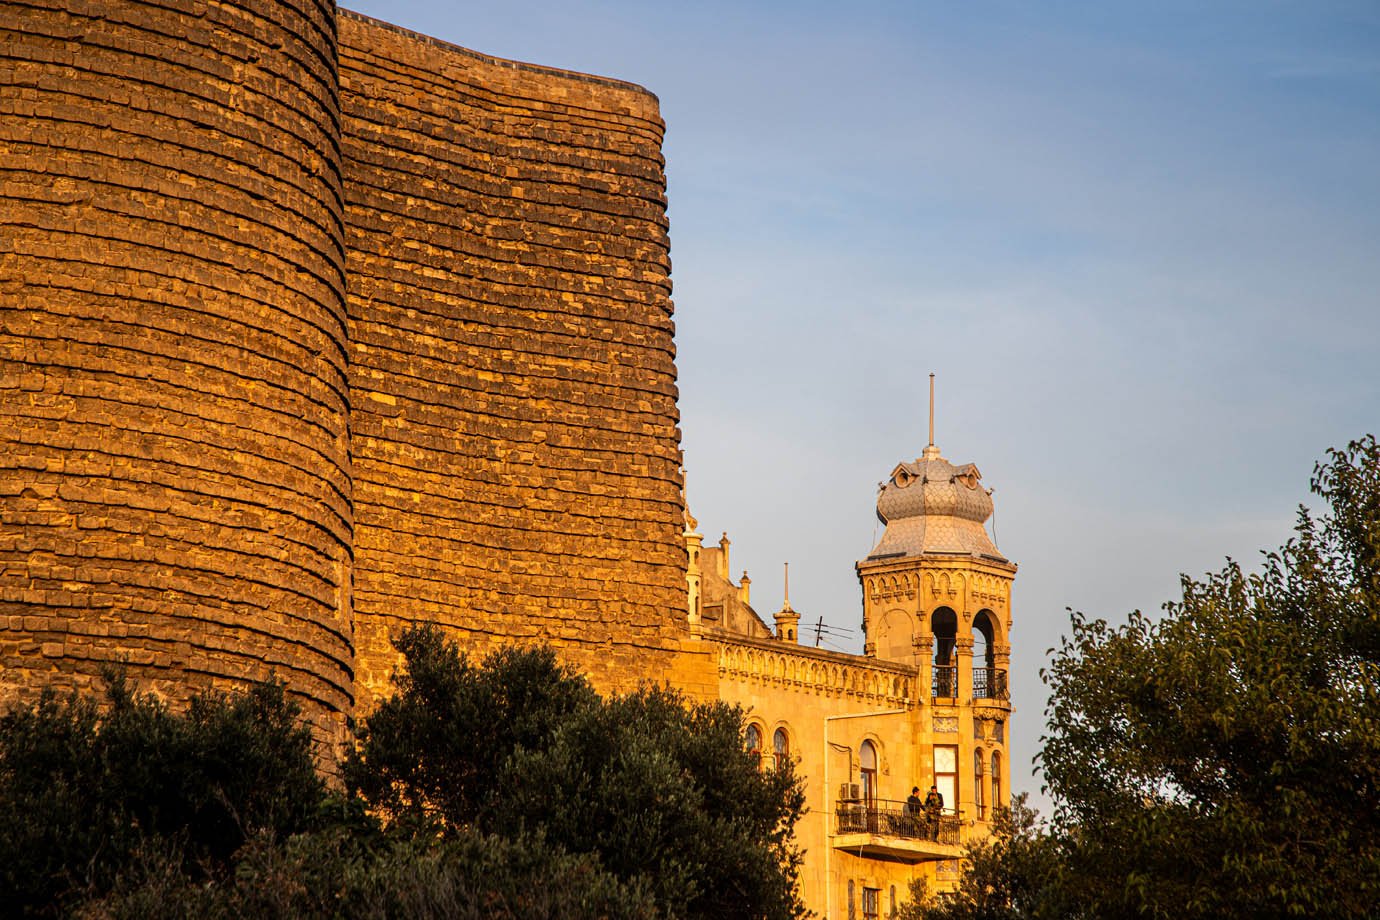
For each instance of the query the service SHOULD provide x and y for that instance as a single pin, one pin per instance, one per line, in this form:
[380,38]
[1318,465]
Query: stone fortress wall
[512,364]
[311,327]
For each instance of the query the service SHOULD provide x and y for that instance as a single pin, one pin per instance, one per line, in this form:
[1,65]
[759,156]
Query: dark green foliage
[330,874]
[83,791]
[509,790]
[430,755]
[1222,761]
[663,791]
[658,791]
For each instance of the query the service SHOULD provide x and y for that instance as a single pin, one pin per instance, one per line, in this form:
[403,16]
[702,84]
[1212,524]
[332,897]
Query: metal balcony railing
[990,684]
[945,683]
[890,819]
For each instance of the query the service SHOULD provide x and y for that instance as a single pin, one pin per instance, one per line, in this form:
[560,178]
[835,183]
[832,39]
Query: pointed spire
[787,620]
[931,444]
[931,452]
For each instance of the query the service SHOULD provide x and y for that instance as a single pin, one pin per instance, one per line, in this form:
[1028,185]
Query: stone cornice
[814,670]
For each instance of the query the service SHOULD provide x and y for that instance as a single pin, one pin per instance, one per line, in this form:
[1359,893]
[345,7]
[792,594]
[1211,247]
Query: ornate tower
[937,596]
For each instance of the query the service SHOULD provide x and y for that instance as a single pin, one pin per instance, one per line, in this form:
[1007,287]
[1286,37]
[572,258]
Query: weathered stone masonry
[512,363]
[306,337]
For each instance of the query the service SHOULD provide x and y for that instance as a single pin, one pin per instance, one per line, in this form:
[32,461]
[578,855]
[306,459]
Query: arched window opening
[753,742]
[996,782]
[989,681]
[984,640]
[781,748]
[944,626]
[979,761]
[867,768]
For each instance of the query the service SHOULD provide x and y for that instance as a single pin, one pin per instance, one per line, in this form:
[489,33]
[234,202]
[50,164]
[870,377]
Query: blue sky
[1138,243]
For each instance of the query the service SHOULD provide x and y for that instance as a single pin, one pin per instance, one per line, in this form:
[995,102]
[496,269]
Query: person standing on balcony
[913,806]
[934,805]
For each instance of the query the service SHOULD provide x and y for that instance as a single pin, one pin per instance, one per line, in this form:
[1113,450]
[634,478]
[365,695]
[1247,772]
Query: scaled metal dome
[933,506]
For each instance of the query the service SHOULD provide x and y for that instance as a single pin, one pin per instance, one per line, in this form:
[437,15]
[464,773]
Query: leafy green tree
[334,873]
[430,756]
[1222,761]
[85,790]
[664,791]
[658,791]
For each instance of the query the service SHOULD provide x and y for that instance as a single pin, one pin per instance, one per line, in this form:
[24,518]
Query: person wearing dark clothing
[913,806]
[934,806]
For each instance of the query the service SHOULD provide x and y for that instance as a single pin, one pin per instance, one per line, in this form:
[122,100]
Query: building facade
[926,704]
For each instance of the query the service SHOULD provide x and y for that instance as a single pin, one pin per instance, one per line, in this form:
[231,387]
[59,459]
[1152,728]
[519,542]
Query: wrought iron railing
[887,818]
[945,683]
[990,684]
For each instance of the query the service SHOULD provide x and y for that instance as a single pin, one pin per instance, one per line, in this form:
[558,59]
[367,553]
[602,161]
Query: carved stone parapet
[786,667]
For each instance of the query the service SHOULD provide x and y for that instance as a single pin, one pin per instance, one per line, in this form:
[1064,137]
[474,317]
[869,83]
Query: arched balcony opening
[944,628]
[989,681]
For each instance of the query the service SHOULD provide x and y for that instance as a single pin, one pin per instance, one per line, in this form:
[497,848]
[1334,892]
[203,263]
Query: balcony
[883,829]
[990,684]
[945,682]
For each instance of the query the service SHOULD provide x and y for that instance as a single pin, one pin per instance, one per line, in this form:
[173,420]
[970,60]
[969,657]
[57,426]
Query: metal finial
[931,410]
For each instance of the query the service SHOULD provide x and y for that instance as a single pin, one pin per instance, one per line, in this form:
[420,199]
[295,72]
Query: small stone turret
[787,620]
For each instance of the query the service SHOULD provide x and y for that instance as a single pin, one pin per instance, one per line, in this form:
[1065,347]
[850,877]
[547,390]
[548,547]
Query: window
[852,904]
[978,762]
[872,904]
[753,742]
[946,775]
[781,748]
[996,781]
[867,766]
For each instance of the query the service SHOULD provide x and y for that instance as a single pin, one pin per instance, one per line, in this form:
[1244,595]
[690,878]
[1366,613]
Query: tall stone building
[925,705]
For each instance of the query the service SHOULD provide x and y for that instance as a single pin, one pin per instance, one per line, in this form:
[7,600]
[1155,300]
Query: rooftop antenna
[786,603]
[819,631]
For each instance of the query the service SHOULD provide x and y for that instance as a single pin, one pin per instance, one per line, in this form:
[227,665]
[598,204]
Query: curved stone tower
[175,486]
[516,458]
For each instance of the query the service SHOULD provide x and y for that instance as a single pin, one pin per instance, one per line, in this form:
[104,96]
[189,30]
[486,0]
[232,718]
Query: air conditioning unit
[850,792]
